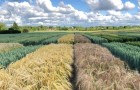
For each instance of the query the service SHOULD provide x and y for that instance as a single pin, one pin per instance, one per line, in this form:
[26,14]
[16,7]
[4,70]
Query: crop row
[69,39]
[131,34]
[97,69]
[8,57]
[41,39]
[46,38]
[14,55]
[73,38]
[134,43]
[81,39]
[129,53]
[53,39]
[95,39]
[27,39]
[48,68]
[4,47]
[100,38]
[118,38]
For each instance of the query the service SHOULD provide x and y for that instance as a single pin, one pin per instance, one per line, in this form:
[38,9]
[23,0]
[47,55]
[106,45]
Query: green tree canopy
[15,26]
[2,26]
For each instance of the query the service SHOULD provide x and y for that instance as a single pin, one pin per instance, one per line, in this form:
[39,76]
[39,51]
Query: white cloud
[46,5]
[44,13]
[128,5]
[3,12]
[105,4]
[138,4]
[109,5]
[115,13]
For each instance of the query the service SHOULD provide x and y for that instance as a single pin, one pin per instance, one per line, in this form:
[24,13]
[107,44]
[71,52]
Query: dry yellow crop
[48,68]
[9,46]
[69,39]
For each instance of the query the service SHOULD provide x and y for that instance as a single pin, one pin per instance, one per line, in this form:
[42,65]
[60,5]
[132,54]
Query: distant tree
[125,26]
[86,29]
[51,27]
[15,26]
[41,26]
[10,29]
[2,26]
[107,27]
[74,27]
[121,27]
[114,27]
[25,31]
[63,28]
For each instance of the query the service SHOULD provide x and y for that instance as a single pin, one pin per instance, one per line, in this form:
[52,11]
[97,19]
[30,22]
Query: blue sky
[70,12]
[78,4]
[81,4]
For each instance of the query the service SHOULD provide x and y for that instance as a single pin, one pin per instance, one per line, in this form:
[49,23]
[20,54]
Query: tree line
[15,28]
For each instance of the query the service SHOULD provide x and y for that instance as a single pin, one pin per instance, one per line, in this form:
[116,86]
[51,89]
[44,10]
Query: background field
[108,60]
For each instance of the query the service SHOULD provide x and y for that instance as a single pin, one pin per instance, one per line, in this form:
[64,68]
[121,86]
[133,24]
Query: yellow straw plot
[48,68]
[4,47]
[69,39]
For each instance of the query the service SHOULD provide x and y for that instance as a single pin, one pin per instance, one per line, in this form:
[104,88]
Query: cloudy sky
[70,12]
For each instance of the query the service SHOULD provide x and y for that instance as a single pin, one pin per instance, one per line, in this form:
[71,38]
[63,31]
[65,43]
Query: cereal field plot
[44,69]
[72,62]
[4,47]
[98,69]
